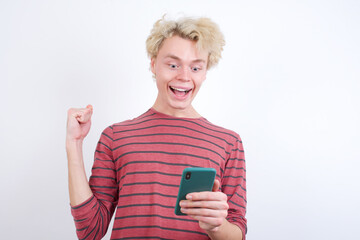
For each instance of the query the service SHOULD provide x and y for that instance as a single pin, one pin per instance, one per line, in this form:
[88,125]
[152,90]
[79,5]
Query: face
[179,69]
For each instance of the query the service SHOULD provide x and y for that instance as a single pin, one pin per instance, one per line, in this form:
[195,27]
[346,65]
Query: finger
[216,186]
[207,196]
[87,113]
[215,205]
[204,212]
[75,111]
[83,115]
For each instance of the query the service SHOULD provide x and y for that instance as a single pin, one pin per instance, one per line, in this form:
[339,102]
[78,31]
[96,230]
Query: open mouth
[180,92]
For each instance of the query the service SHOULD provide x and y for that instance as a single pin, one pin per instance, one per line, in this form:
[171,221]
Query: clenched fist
[78,123]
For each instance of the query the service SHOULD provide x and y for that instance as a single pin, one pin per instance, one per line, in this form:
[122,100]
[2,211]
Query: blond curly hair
[204,31]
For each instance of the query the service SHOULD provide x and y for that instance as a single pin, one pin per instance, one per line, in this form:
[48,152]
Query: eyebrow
[177,58]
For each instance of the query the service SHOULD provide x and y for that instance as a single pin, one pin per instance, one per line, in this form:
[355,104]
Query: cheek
[165,76]
[162,82]
[200,79]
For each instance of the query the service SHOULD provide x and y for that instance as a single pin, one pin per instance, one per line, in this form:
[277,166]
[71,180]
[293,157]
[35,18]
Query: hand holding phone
[194,180]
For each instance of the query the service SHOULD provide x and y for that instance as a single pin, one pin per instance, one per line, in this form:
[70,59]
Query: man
[138,163]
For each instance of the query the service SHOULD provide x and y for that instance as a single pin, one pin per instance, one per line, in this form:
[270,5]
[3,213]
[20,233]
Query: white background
[288,83]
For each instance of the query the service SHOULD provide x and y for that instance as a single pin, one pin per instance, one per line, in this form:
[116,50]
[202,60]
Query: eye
[195,69]
[173,66]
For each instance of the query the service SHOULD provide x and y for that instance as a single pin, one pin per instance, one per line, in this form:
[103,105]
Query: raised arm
[92,202]
[78,126]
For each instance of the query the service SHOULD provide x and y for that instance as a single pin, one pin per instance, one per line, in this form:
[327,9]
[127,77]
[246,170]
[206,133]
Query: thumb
[90,107]
[216,186]
[84,114]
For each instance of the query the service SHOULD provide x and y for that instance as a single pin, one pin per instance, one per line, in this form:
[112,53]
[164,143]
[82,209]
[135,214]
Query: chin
[180,108]
[180,105]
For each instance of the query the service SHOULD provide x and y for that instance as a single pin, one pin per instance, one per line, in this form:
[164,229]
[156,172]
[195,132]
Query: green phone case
[201,179]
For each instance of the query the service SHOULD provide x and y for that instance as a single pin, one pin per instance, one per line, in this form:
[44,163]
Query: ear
[152,65]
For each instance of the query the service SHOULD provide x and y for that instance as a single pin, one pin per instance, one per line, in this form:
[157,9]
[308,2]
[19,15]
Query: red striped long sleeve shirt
[137,171]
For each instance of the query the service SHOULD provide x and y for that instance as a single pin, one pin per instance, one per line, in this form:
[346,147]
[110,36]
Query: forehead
[183,49]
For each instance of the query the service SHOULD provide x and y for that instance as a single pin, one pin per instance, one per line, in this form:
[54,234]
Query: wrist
[217,229]
[74,151]
[226,230]
[73,143]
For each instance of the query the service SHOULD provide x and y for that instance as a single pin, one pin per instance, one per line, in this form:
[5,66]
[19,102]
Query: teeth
[179,89]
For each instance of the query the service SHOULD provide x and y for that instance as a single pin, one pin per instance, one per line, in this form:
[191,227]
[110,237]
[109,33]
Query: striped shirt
[137,172]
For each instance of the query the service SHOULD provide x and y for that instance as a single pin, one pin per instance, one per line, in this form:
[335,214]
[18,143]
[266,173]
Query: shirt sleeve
[234,186]
[92,217]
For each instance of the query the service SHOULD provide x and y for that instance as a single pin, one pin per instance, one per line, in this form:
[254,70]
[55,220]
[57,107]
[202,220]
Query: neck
[189,112]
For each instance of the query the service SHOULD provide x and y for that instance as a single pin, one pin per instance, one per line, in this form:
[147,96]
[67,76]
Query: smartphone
[194,180]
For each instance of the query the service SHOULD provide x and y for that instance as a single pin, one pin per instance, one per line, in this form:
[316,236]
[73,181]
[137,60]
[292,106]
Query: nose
[184,74]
